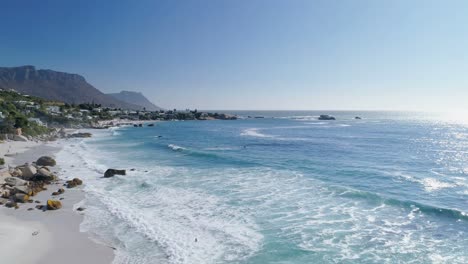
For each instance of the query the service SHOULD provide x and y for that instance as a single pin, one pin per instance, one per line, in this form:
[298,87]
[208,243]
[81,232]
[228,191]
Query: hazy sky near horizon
[252,54]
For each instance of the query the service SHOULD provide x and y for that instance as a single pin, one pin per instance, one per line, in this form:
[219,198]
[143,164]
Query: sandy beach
[37,236]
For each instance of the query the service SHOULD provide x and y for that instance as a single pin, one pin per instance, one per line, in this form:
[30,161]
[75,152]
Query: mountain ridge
[60,86]
[137,98]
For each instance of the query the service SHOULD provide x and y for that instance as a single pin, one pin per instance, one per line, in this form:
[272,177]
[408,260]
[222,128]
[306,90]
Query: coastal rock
[73,183]
[111,172]
[46,161]
[53,205]
[23,190]
[13,181]
[326,117]
[80,135]
[11,204]
[16,172]
[44,175]
[6,193]
[61,190]
[27,171]
[20,138]
[77,181]
[21,198]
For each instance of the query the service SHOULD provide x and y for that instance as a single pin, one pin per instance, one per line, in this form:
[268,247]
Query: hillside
[53,85]
[135,98]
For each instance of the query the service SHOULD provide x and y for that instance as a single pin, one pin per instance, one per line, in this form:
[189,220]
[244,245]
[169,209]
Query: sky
[252,54]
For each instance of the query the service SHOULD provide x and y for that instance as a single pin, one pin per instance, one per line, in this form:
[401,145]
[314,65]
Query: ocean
[287,188]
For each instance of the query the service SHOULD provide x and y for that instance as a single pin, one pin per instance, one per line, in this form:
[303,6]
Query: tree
[20,122]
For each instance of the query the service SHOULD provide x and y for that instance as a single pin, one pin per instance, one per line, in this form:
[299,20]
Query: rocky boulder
[43,174]
[16,172]
[6,193]
[21,198]
[46,161]
[80,135]
[111,172]
[13,181]
[77,181]
[73,183]
[27,171]
[23,190]
[11,204]
[53,205]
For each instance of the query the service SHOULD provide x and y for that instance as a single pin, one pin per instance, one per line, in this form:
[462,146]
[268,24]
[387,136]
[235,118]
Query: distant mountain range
[66,87]
[135,98]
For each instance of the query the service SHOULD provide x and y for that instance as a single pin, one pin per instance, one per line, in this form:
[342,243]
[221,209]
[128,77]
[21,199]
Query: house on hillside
[53,109]
[37,121]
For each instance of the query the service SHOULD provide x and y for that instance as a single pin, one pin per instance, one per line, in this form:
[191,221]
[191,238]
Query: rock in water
[111,172]
[46,161]
[326,117]
[13,181]
[77,181]
[53,205]
[73,183]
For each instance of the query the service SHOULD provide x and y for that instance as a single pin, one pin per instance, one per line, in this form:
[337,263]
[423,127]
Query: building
[36,120]
[53,109]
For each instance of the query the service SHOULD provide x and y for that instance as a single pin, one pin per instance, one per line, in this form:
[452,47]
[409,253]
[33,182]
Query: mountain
[135,98]
[59,86]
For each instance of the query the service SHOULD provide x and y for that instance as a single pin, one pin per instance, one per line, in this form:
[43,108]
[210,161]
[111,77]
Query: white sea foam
[174,217]
[175,147]
[255,132]
[155,213]
[429,184]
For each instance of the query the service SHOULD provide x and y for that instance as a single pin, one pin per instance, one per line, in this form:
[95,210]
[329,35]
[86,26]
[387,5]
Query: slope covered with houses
[34,115]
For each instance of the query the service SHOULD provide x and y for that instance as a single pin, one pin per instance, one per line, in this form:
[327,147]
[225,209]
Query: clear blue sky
[250,54]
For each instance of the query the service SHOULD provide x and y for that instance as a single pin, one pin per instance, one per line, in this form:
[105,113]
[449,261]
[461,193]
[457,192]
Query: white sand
[11,149]
[59,239]
[22,241]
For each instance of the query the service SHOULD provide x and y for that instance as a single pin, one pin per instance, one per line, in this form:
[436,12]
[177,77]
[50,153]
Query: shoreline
[51,237]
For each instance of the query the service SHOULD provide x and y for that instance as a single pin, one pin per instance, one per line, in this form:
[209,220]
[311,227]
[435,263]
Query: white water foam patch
[167,219]
[429,184]
[328,224]
[255,132]
[175,147]
[322,223]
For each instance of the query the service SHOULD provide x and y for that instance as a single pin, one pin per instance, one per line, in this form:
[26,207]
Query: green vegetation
[36,116]
[2,161]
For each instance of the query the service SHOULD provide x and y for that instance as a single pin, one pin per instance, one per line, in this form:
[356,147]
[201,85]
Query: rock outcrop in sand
[19,184]
[46,161]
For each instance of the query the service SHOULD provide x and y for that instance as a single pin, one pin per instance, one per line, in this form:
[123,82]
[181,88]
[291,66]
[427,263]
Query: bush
[34,129]
[2,161]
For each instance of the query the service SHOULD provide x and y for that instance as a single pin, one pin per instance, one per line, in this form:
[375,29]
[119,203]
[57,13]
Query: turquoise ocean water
[287,188]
